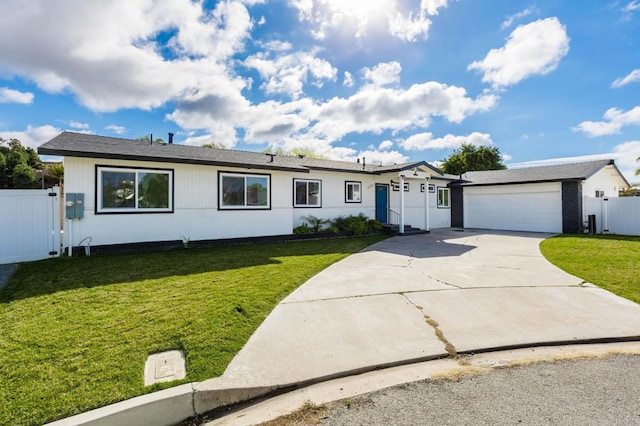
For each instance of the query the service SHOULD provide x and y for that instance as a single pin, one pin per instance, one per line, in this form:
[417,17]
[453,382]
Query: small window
[307,193]
[353,192]
[599,194]
[240,191]
[432,187]
[124,190]
[443,198]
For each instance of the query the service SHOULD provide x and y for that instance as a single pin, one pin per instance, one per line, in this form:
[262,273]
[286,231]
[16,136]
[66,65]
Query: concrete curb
[174,405]
[163,408]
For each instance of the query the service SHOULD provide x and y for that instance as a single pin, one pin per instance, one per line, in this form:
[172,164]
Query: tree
[469,158]
[18,165]
[295,152]
[638,169]
[56,171]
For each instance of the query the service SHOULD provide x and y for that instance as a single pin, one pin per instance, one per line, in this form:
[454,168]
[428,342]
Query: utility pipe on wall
[401,221]
[426,202]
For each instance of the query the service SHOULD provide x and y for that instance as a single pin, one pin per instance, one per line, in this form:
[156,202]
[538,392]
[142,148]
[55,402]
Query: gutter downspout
[426,203]
[401,219]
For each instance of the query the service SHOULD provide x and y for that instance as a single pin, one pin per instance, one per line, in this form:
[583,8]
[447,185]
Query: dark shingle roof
[91,146]
[562,172]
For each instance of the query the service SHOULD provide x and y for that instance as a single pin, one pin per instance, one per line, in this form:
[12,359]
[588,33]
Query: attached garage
[531,207]
[535,199]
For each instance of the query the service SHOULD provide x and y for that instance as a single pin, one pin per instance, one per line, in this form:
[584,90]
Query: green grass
[608,261]
[76,332]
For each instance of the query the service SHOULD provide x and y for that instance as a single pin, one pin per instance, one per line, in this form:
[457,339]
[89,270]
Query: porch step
[408,230]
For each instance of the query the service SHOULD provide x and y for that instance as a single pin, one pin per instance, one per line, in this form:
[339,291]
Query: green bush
[315,222]
[303,229]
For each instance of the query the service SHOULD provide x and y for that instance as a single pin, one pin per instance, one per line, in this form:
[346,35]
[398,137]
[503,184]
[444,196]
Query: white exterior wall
[333,195]
[533,207]
[606,179]
[196,215]
[414,203]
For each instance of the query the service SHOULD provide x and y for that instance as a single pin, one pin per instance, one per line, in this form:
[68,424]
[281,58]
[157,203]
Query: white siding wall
[414,203]
[528,207]
[333,195]
[606,179]
[196,215]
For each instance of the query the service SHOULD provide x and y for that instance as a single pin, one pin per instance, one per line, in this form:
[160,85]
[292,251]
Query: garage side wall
[571,207]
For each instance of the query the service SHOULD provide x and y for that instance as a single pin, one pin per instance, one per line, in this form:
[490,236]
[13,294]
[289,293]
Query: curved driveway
[416,298]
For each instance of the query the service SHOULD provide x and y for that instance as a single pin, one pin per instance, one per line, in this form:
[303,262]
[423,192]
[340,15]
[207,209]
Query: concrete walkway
[416,298]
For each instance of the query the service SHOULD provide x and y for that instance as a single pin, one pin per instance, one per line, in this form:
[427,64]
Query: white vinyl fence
[615,215]
[29,224]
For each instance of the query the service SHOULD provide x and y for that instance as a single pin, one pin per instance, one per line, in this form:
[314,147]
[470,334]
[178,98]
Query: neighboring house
[541,199]
[135,191]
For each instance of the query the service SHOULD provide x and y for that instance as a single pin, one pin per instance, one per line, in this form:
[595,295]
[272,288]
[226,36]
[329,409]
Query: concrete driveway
[416,298]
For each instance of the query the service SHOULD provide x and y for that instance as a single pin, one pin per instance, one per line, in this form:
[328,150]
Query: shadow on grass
[62,274]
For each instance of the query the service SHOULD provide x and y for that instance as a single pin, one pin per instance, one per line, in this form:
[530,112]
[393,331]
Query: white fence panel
[617,215]
[29,224]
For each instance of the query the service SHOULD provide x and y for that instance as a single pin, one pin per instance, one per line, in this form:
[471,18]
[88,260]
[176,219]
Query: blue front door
[382,202]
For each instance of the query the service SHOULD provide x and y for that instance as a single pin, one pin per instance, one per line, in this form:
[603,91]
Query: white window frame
[353,184]
[246,206]
[445,191]
[135,209]
[307,205]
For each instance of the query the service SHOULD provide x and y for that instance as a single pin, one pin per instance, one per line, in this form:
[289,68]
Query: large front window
[125,190]
[242,191]
[307,193]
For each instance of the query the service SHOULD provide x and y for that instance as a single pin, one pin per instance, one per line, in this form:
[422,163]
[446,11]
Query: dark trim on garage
[571,207]
[457,207]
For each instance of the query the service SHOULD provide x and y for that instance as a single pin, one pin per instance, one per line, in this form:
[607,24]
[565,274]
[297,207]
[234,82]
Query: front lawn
[75,333]
[608,261]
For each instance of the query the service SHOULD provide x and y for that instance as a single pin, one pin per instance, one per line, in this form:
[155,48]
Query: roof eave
[110,156]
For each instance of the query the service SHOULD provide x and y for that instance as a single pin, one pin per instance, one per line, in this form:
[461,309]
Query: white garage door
[528,207]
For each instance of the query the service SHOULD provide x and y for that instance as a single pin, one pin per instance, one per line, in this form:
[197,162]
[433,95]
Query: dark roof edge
[418,164]
[47,151]
[520,182]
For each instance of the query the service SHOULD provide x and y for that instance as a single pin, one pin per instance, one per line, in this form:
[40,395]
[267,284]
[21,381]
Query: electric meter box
[74,205]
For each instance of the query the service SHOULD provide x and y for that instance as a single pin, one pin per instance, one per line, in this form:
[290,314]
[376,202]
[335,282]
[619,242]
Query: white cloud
[383,74]
[120,63]
[32,136]
[506,157]
[118,130]
[385,145]
[631,7]
[410,28]
[10,96]
[374,109]
[383,157]
[532,49]
[348,79]
[358,17]
[78,125]
[632,77]
[287,74]
[423,141]
[614,120]
[517,16]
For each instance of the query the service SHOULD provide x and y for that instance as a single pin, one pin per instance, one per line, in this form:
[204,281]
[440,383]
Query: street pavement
[418,298]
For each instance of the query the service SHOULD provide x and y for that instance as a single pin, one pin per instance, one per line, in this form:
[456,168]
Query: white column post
[401,219]
[426,203]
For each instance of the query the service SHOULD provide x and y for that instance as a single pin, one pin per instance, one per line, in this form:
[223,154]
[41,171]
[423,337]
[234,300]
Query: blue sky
[392,81]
